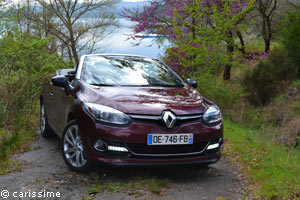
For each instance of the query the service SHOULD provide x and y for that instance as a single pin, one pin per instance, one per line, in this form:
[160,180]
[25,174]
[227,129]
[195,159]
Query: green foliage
[261,84]
[264,82]
[297,107]
[27,53]
[7,144]
[225,95]
[2,112]
[13,141]
[230,97]
[24,63]
[203,48]
[272,169]
[156,185]
[291,37]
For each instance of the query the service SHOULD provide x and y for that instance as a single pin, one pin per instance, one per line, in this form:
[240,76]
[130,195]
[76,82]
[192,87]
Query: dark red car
[129,110]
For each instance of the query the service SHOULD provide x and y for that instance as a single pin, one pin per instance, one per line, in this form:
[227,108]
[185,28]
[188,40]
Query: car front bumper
[136,134]
[201,160]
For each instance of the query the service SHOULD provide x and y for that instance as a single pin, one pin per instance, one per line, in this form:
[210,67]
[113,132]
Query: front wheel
[72,148]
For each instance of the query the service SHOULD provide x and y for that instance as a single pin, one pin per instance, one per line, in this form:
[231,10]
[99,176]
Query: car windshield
[127,71]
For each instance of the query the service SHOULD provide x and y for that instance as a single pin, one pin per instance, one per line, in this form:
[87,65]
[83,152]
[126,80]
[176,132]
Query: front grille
[166,149]
[158,120]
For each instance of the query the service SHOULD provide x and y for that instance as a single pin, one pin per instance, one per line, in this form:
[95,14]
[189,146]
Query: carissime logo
[5,194]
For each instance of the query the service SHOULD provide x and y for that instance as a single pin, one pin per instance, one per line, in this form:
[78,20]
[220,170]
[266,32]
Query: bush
[291,37]
[24,62]
[2,112]
[265,81]
[226,96]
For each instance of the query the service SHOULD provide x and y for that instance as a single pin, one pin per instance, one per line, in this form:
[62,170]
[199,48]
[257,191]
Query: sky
[134,0]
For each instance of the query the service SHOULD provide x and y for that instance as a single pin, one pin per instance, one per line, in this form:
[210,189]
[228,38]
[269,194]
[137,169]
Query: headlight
[106,114]
[212,115]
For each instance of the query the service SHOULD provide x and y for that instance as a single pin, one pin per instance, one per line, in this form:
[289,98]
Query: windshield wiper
[165,85]
[101,85]
[152,85]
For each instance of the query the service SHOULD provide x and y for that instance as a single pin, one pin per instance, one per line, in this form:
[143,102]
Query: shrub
[291,37]
[24,62]
[2,112]
[226,96]
[265,81]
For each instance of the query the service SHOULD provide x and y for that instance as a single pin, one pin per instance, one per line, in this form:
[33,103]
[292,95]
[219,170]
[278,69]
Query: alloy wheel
[72,147]
[43,119]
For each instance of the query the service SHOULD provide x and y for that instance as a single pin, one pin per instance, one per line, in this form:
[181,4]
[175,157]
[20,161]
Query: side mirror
[61,81]
[192,83]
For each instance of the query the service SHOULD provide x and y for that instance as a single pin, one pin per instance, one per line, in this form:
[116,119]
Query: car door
[62,103]
[48,100]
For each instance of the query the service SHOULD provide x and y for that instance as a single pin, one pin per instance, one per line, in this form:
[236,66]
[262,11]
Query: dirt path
[44,169]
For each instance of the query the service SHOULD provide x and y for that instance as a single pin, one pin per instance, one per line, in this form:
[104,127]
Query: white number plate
[170,139]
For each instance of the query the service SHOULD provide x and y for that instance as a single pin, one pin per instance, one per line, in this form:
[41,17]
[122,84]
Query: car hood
[147,100]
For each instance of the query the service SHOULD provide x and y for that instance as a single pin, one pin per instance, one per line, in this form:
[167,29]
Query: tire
[46,131]
[72,148]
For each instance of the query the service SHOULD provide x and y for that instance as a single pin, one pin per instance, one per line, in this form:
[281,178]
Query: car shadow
[178,174]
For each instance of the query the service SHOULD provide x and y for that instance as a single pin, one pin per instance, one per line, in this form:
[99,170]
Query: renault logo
[169,119]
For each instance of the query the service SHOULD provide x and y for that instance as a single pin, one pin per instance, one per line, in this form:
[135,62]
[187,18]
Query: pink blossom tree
[193,26]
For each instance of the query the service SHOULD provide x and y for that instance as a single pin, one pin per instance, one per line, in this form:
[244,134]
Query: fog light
[213,146]
[115,148]
[100,145]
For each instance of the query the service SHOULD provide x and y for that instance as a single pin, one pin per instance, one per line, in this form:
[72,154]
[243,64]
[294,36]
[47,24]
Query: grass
[150,185]
[257,44]
[297,107]
[16,140]
[273,169]
[10,145]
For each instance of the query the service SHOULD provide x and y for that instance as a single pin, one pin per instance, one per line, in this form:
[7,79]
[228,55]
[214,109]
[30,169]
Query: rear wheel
[44,126]
[72,148]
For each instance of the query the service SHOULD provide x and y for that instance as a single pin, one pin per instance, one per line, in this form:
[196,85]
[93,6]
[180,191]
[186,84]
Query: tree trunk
[267,45]
[227,70]
[73,45]
[240,36]
[268,36]
[74,52]
[230,49]
[267,32]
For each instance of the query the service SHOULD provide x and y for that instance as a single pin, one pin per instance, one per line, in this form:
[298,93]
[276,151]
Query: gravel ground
[45,170]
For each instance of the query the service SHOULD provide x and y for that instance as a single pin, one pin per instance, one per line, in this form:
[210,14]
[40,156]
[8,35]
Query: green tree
[215,27]
[291,36]
[266,9]
[24,63]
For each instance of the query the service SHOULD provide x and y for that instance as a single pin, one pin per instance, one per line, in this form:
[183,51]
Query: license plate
[170,139]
